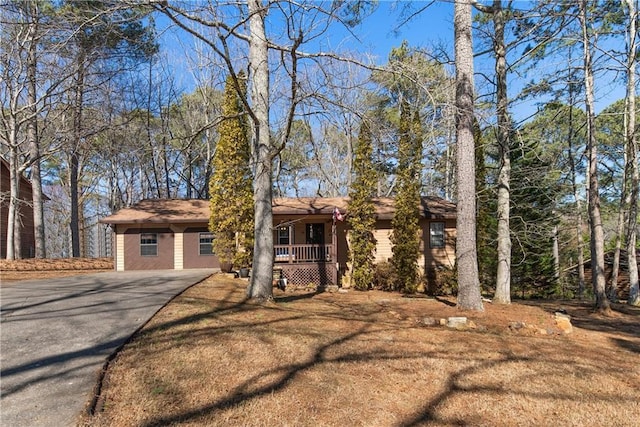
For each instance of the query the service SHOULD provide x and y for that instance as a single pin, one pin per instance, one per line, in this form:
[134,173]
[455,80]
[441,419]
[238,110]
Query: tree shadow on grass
[445,301]
[474,364]
[624,321]
[245,391]
[465,381]
[460,384]
[296,297]
[627,344]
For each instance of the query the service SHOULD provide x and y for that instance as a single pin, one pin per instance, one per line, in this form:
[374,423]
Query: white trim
[178,247]
[120,250]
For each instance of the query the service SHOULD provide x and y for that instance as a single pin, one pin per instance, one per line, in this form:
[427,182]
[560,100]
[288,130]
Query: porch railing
[302,253]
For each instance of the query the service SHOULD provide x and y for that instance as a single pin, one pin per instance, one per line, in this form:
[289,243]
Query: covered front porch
[306,251]
[306,264]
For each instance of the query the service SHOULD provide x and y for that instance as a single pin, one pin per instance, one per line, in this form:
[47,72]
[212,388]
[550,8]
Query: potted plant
[243,260]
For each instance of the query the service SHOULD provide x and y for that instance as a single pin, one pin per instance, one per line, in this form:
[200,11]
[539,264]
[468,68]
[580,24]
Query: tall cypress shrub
[232,211]
[362,212]
[405,236]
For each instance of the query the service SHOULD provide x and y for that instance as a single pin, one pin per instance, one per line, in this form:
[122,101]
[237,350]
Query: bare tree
[263,150]
[20,63]
[595,224]
[503,274]
[246,26]
[33,140]
[95,33]
[15,40]
[469,297]
[631,142]
[318,159]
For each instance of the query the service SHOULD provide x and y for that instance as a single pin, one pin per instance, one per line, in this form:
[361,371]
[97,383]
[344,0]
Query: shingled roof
[195,210]
[162,211]
[430,207]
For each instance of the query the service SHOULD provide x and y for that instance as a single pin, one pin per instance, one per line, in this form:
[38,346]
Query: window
[149,244]
[283,235]
[206,244]
[436,235]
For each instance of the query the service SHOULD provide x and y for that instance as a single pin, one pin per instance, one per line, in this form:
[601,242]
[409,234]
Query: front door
[315,234]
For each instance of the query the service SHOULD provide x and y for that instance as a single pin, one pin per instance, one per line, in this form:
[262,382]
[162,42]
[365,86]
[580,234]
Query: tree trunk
[32,135]
[597,233]
[556,257]
[469,297]
[75,217]
[13,213]
[615,269]
[260,286]
[74,160]
[503,274]
[632,157]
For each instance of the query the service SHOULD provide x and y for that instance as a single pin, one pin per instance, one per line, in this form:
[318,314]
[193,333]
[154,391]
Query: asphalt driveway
[56,334]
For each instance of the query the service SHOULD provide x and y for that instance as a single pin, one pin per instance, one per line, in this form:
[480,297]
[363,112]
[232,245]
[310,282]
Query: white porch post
[334,252]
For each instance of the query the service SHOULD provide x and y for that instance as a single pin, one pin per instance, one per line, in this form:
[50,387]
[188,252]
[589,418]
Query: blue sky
[376,34]
[386,28]
[383,30]
[434,27]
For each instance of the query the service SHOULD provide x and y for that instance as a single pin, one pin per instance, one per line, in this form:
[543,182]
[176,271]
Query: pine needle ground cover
[369,359]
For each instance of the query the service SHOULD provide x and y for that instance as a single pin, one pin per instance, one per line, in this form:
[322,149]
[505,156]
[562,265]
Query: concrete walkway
[56,334]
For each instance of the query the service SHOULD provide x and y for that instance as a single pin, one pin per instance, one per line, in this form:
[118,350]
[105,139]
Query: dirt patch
[25,269]
[369,358]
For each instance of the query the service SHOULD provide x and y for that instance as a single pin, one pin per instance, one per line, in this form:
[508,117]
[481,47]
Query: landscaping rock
[430,321]
[457,322]
[563,321]
[516,326]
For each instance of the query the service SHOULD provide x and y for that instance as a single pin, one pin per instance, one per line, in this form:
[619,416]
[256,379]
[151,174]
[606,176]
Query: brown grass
[366,359]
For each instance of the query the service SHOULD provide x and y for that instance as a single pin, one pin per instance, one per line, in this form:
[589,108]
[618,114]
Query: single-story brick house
[310,245]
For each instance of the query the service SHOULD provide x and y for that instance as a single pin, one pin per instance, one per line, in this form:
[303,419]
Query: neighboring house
[27,236]
[310,245]
[623,272]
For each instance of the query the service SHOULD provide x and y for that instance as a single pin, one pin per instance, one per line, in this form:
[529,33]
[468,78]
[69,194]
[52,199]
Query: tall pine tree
[230,187]
[362,211]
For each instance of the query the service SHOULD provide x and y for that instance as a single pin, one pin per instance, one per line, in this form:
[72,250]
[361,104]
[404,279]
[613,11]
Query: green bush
[443,281]
[384,277]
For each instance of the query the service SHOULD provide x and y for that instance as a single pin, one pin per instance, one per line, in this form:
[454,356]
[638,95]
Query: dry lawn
[367,359]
